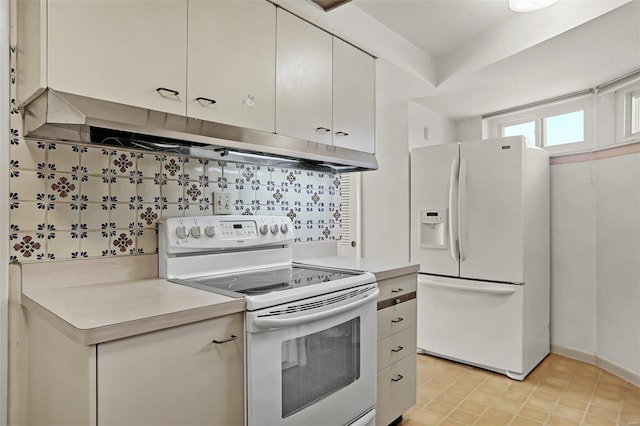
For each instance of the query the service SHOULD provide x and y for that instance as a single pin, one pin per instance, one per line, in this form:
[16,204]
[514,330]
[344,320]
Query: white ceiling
[487,58]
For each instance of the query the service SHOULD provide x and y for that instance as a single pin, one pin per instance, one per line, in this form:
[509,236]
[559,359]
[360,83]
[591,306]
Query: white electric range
[310,341]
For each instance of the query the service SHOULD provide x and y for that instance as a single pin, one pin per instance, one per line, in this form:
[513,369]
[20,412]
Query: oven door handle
[307,318]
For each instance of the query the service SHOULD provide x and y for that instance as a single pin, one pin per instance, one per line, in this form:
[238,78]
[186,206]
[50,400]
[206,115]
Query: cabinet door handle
[398,349]
[322,130]
[230,339]
[342,134]
[399,319]
[400,290]
[211,101]
[397,378]
[164,89]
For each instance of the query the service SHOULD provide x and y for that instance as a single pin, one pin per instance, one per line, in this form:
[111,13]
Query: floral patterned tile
[149,164]
[63,217]
[64,245]
[25,246]
[173,191]
[123,243]
[62,186]
[245,193]
[94,188]
[195,192]
[148,216]
[243,210]
[123,163]
[123,215]
[95,160]
[65,157]
[27,217]
[28,185]
[192,167]
[172,210]
[147,242]
[27,154]
[148,190]
[94,216]
[172,168]
[94,245]
[123,190]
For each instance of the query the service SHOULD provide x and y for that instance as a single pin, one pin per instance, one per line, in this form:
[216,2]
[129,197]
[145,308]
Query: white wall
[385,192]
[440,129]
[469,129]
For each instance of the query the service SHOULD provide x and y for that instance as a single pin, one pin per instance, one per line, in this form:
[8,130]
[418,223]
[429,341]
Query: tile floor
[560,391]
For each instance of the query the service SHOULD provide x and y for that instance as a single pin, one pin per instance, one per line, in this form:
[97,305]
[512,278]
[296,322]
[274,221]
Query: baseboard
[593,359]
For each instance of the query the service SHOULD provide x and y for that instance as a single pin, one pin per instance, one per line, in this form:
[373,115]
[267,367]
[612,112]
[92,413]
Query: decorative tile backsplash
[75,201]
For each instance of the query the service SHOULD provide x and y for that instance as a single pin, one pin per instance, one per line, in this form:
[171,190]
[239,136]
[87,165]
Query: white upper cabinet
[303,80]
[353,98]
[130,52]
[231,62]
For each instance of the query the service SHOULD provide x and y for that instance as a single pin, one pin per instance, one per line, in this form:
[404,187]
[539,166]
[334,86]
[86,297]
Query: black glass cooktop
[264,280]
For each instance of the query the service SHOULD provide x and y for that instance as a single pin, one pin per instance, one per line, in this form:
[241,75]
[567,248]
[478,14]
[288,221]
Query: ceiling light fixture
[524,6]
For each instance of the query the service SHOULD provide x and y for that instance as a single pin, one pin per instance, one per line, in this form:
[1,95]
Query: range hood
[56,115]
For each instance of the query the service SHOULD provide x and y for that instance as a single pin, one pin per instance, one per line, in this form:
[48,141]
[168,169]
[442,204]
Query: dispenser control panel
[433,228]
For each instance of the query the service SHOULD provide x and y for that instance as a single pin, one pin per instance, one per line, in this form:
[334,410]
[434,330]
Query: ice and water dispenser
[433,228]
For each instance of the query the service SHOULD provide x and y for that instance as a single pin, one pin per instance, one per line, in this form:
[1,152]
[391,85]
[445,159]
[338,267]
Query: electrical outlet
[221,203]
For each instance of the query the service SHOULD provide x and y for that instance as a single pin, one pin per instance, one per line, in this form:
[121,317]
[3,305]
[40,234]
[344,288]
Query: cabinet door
[232,50]
[120,51]
[303,80]
[177,376]
[353,98]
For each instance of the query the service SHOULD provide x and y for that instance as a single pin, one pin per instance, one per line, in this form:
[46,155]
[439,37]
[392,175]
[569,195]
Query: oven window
[319,364]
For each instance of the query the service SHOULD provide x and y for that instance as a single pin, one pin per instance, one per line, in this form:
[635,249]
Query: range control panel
[183,234]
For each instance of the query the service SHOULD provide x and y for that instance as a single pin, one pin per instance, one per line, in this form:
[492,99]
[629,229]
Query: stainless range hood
[62,116]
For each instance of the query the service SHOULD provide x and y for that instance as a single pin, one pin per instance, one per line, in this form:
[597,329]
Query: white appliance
[480,231]
[310,332]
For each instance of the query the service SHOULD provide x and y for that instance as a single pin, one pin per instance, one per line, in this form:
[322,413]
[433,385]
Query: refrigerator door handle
[453,206]
[462,192]
[497,291]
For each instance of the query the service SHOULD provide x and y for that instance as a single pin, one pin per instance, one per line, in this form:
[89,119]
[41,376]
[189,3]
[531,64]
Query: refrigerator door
[491,209]
[433,208]
[476,322]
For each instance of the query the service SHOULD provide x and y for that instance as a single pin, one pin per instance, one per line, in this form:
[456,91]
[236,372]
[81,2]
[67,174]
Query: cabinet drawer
[396,347]
[398,286]
[396,390]
[396,318]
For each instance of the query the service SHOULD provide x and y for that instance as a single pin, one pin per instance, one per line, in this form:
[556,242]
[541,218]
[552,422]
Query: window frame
[496,125]
[626,120]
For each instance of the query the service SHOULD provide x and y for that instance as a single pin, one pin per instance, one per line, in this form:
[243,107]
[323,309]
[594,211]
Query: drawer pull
[230,339]
[397,378]
[400,290]
[164,89]
[211,101]
[398,349]
[342,134]
[322,130]
[399,319]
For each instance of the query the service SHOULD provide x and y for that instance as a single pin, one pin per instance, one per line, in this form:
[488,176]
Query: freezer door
[491,209]
[433,219]
[472,321]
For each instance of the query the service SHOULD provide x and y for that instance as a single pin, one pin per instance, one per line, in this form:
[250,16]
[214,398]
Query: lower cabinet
[185,375]
[189,375]
[396,383]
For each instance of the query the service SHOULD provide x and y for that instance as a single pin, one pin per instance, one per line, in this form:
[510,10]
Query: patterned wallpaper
[75,201]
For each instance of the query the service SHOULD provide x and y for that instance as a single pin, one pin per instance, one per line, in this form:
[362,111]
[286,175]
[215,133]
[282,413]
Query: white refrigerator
[480,232]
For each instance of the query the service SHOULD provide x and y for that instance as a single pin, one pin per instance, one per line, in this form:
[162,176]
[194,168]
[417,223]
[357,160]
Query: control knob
[182,232]
[284,228]
[274,229]
[210,231]
[264,229]
[196,232]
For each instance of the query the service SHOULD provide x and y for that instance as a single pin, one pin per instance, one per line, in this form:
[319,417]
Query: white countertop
[381,268]
[95,312]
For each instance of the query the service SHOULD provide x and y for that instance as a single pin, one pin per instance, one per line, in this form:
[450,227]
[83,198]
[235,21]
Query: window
[628,113]
[564,128]
[635,114]
[560,127]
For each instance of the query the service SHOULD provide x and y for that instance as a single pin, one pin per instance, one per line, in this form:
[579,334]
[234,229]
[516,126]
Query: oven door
[312,362]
